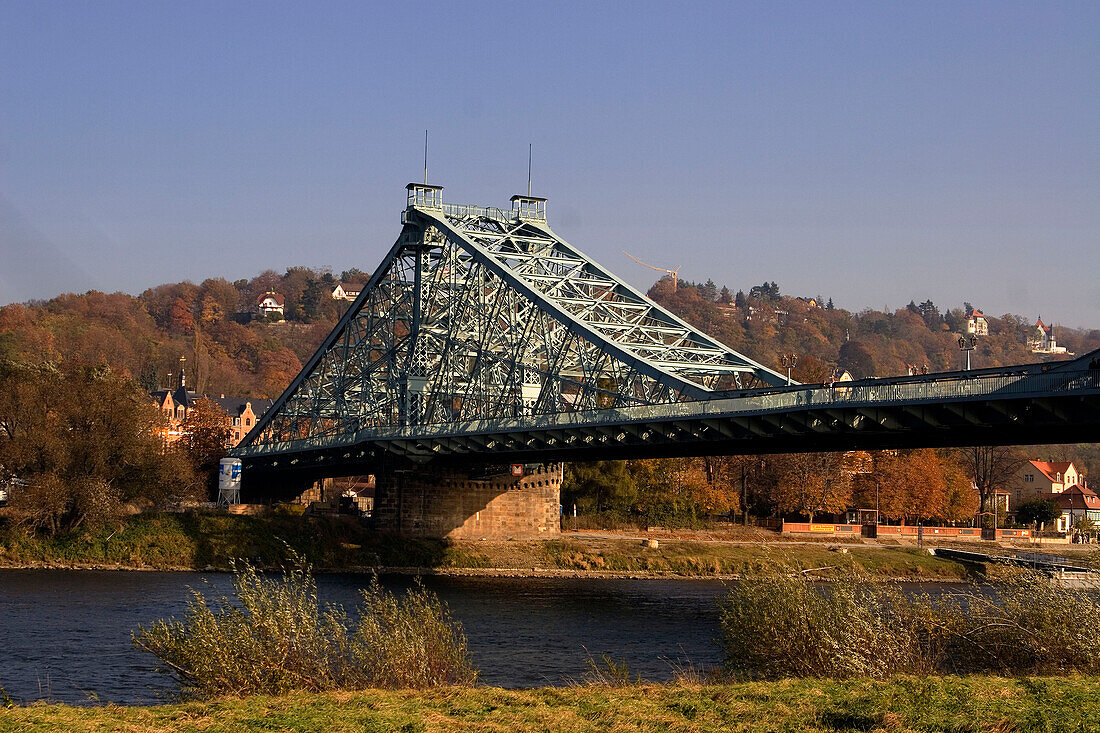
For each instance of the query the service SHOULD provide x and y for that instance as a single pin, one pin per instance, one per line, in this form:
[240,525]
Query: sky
[871,152]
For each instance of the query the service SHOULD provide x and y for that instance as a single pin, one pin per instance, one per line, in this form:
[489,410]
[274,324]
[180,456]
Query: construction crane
[675,273]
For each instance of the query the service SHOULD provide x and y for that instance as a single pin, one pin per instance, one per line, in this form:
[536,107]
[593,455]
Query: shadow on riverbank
[211,541]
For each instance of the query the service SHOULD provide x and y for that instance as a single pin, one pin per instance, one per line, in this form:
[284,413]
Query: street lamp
[966,343]
[788,360]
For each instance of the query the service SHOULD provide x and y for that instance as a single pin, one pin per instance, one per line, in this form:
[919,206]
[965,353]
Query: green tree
[1038,511]
[599,486]
[311,300]
[856,357]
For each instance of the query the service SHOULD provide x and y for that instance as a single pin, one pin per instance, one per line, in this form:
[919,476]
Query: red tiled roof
[1078,497]
[274,296]
[976,314]
[1051,468]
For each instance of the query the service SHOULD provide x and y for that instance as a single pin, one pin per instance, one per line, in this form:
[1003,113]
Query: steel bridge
[484,337]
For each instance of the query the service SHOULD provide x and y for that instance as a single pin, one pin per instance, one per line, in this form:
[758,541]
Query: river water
[65,635]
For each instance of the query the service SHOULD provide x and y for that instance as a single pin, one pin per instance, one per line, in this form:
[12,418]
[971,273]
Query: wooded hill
[764,324]
[230,353]
[211,324]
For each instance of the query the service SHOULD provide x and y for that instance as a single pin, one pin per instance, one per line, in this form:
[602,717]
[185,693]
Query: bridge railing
[920,390]
[490,212]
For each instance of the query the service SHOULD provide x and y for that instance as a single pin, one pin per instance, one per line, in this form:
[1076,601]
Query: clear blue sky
[872,152]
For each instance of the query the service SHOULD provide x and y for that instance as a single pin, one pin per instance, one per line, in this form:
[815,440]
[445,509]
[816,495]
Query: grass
[703,558]
[198,540]
[957,704]
[202,540]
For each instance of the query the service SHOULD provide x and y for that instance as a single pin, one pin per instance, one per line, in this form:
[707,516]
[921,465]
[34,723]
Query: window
[248,421]
[236,421]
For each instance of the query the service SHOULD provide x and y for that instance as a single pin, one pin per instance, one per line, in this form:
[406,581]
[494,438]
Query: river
[65,635]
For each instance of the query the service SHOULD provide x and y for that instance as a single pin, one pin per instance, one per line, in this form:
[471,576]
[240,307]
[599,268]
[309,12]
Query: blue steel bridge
[483,337]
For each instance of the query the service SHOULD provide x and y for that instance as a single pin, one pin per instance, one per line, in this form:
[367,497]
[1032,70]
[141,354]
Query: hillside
[210,324]
[231,352]
[228,353]
[765,324]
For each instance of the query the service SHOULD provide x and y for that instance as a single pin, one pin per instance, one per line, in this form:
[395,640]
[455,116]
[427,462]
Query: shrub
[274,637]
[1029,625]
[786,625]
[410,641]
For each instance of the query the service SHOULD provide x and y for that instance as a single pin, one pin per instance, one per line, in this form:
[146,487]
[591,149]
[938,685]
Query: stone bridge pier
[448,503]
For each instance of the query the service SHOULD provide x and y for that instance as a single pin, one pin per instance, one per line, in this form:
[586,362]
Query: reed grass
[784,624]
[273,637]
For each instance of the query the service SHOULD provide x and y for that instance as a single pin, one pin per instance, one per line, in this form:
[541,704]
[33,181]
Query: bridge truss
[485,337]
[479,314]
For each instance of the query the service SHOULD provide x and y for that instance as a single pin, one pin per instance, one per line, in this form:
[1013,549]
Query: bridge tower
[476,315]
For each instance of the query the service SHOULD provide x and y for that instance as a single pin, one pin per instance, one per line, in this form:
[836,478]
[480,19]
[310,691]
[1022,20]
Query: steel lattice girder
[1026,416]
[480,317]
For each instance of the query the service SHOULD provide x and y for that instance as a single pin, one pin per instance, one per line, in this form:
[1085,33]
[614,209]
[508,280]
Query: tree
[856,357]
[931,314]
[766,291]
[179,317]
[205,438]
[354,275]
[725,297]
[85,440]
[1038,511]
[675,490]
[311,300]
[809,483]
[599,486]
[961,499]
[990,467]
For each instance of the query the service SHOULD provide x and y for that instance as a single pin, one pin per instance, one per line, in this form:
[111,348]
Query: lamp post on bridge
[788,360]
[967,343]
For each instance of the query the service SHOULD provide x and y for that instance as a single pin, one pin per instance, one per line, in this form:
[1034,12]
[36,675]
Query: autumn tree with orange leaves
[809,483]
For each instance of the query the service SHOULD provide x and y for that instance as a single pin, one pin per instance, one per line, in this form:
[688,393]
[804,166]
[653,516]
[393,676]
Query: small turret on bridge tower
[425,195]
[529,208]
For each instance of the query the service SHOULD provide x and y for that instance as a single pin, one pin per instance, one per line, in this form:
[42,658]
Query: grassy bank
[960,704]
[210,540]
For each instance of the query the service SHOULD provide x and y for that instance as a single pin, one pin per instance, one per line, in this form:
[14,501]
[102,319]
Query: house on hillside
[346,291]
[176,402]
[1042,480]
[1077,502]
[269,303]
[244,414]
[976,323]
[1042,340]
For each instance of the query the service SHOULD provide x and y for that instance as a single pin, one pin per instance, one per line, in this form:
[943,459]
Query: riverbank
[962,704]
[211,541]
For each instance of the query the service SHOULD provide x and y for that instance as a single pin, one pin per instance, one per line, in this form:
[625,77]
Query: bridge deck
[1032,404]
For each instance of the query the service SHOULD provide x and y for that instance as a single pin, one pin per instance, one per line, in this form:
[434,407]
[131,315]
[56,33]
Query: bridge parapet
[954,388]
